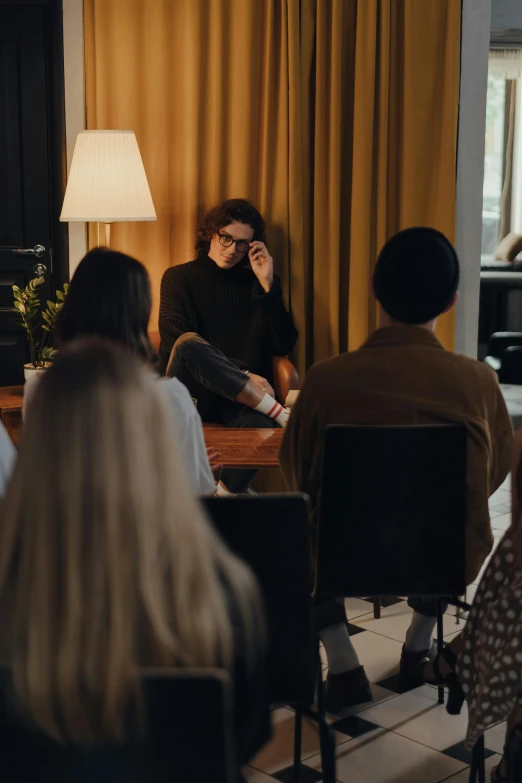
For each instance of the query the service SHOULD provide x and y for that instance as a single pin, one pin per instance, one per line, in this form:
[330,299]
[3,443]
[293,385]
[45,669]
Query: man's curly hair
[240,209]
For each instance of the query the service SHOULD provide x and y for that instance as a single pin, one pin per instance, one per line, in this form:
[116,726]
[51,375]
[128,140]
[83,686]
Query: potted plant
[39,324]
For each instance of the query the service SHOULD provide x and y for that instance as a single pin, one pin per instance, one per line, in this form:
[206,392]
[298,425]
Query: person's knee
[187,343]
[327,613]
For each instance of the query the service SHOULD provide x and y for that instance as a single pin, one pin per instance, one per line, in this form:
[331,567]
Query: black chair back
[511,365]
[499,341]
[270,533]
[392,511]
[189,738]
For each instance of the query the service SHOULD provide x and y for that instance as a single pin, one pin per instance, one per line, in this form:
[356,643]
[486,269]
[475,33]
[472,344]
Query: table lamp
[107,181]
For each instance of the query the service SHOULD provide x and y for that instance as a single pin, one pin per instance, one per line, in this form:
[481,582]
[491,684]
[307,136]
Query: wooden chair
[285,374]
[286,377]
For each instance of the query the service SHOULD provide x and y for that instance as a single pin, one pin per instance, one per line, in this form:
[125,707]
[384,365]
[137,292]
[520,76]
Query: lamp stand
[107,234]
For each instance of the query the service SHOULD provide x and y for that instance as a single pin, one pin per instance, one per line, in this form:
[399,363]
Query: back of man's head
[416,276]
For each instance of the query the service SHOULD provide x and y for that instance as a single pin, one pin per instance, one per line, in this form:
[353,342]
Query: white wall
[470,167]
[506,14]
[74,74]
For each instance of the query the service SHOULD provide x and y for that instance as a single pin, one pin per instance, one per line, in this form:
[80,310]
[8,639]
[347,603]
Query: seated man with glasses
[222,320]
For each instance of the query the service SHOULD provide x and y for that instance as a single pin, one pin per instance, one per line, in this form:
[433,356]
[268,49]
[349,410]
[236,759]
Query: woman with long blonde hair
[107,562]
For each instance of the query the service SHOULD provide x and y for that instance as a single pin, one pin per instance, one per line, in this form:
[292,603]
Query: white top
[7,459]
[191,438]
[188,425]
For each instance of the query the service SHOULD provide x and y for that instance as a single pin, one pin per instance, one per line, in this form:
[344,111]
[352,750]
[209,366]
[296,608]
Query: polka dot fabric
[490,664]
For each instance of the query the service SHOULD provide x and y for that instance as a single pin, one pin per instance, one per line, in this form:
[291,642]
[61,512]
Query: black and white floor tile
[398,737]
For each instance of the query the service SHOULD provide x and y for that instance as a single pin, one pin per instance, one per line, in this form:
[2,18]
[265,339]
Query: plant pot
[29,370]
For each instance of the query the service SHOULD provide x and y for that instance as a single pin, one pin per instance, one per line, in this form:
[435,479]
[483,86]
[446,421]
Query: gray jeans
[215,382]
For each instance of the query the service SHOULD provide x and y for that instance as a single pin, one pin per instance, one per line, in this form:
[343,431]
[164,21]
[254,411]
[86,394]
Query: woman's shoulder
[178,395]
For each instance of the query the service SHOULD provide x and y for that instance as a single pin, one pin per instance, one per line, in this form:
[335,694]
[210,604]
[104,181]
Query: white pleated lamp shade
[107,180]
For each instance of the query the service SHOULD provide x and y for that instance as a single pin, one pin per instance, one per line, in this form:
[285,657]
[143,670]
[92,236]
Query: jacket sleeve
[300,453]
[501,439]
[176,316]
[283,333]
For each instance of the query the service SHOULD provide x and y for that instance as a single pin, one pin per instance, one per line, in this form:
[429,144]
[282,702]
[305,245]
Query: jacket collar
[403,335]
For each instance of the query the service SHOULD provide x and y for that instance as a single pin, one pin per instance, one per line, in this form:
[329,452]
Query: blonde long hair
[107,563]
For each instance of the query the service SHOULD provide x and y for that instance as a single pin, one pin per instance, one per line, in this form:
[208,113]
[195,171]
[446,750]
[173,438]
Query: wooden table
[11,399]
[248,448]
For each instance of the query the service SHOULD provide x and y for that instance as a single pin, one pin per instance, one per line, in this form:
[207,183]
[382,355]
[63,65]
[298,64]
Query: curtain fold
[338,118]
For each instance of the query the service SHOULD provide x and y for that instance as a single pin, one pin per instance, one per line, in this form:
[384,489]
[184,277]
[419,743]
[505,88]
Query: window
[494,163]
[502,189]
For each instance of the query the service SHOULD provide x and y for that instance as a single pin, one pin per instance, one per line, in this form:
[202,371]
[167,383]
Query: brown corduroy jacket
[403,375]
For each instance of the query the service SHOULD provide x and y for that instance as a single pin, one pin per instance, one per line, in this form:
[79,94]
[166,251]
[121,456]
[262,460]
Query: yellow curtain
[338,118]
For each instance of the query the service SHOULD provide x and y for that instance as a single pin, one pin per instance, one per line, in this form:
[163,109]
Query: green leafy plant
[39,324]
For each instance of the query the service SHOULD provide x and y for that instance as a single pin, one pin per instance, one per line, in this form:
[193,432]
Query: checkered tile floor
[399,737]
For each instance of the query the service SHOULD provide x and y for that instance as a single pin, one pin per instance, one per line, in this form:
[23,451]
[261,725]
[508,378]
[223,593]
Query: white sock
[419,635]
[223,492]
[272,408]
[340,651]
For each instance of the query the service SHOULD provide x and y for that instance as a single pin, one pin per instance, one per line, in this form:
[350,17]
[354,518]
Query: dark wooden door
[26,201]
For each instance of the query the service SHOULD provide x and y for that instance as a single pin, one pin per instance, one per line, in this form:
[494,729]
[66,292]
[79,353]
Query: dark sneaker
[346,690]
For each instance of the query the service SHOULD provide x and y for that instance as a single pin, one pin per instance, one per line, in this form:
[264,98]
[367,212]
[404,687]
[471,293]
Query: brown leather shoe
[346,690]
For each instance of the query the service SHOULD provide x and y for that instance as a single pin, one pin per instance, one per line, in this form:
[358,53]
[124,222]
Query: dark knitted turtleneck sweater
[229,308]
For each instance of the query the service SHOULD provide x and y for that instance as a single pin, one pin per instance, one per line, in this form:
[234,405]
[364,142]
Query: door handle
[37,250]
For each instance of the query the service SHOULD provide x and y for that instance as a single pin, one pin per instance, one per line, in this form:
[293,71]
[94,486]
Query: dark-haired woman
[222,320]
[110,296]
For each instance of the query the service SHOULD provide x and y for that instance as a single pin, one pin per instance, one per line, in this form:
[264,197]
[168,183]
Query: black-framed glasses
[241,244]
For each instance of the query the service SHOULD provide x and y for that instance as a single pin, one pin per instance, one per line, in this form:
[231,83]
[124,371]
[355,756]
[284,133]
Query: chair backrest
[510,370]
[189,738]
[286,377]
[270,533]
[392,511]
[499,341]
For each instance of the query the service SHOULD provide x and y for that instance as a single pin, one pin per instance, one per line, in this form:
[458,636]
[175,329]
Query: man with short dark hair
[402,376]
